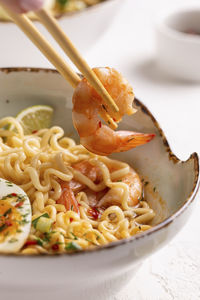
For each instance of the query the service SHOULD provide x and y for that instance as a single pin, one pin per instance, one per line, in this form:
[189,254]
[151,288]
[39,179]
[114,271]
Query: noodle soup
[102,271]
[79,200]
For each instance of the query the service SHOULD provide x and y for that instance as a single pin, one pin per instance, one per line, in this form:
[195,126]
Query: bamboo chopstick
[65,43]
[64,69]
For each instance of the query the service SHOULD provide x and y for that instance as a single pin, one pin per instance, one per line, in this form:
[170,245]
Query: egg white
[13,242]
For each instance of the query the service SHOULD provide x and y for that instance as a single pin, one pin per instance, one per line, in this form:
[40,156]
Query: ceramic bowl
[99,273]
[84,29]
[178,44]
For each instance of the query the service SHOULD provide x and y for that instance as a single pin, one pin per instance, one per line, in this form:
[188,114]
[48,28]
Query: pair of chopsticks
[63,68]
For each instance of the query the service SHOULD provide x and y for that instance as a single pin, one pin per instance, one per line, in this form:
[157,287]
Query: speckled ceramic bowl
[99,273]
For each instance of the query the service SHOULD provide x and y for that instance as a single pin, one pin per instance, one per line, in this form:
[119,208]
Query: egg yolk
[9,219]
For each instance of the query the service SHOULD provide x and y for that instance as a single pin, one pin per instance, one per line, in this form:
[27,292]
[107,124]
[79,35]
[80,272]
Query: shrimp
[92,172]
[71,188]
[95,175]
[114,195]
[67,198]
[87,104]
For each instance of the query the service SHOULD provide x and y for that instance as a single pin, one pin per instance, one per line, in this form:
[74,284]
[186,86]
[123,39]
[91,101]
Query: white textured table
[174,271]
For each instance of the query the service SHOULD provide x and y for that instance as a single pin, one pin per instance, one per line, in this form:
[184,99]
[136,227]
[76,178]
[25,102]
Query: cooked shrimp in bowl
[87,105]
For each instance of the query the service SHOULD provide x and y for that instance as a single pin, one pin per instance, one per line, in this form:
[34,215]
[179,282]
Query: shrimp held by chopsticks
[87,104]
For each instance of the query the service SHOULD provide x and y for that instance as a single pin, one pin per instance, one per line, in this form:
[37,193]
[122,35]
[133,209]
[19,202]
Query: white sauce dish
[178,44]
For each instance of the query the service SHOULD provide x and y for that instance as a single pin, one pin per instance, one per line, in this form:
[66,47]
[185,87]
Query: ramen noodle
[79,200]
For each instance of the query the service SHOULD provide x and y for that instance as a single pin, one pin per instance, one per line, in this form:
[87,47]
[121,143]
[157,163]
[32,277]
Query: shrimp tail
[130,139]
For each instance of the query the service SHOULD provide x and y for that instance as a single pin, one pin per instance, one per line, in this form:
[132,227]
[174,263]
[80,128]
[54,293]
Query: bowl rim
[194,156]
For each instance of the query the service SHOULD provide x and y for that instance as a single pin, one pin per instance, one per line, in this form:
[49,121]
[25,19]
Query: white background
[128,45]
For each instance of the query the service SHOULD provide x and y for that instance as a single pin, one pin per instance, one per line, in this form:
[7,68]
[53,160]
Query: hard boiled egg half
[15,217]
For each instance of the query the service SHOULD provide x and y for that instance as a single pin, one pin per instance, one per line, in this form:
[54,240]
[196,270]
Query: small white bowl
[178,47]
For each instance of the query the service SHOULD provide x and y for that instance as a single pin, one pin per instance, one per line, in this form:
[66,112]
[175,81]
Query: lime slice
[35,117]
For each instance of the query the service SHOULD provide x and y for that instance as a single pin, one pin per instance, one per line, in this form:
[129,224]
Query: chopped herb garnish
[24,216]
[2,227]
[62,2]
[72,207]
[154,189]
[47,236]
[13,240]
[72,246]
[19,230]
[7,212]
[145,183]
[5,197]
[140,198]
[39,242]
[22,222]
[58,243]
[9,183]
[104,107]
[21,197]
[34,222]
[75,237]
[89,241]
